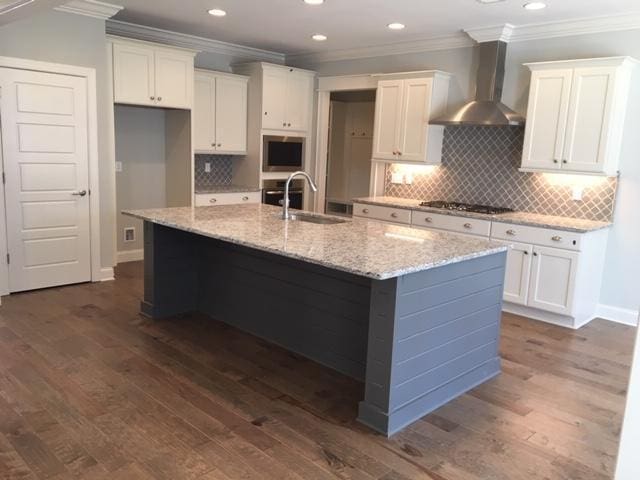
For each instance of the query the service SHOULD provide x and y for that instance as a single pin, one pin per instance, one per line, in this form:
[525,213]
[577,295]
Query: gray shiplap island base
[417,339]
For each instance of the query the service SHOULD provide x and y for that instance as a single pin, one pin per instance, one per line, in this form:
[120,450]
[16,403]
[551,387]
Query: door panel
[133,75]
[588,126]
[553,276]
[231,115]
[518,271]
[204,114]
[388,119]
[547,119]
[274,98]
[298,93]
[45,151]
[415,120]
[174,78]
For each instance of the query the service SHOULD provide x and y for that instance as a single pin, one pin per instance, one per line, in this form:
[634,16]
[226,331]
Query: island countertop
[359,246]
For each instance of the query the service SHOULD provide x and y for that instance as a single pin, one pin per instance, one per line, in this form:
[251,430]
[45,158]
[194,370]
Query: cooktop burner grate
[466,207]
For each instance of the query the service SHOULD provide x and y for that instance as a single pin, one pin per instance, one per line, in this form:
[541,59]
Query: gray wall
[140,146]
[623,255]
[59,37]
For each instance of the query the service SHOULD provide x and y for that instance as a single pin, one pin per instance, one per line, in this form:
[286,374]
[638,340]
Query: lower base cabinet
[236,198]
[553,280]
[518,272]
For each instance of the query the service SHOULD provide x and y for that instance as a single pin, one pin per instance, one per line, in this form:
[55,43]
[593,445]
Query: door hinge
[4,178]
[8,259]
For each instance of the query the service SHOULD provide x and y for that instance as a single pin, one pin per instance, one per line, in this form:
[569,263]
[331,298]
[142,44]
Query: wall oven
[273,193]
[282,154]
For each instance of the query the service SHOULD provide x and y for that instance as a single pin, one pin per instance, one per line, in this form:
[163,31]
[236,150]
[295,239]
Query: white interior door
[231,115]
[45,155]
[553,278]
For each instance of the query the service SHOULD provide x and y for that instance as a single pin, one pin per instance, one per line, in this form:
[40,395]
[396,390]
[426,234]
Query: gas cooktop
[466,207]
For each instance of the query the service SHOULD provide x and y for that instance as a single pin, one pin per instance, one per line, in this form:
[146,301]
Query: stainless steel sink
[305,217]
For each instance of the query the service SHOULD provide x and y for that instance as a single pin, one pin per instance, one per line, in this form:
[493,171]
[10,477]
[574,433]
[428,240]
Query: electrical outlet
[207,167]
[130,234]
[576,193]
[118,167]
[397,178]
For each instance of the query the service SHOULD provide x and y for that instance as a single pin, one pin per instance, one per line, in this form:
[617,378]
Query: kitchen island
[414,314]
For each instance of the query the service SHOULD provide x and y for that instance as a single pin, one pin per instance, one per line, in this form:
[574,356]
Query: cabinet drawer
[388,214]
[537,236]
[452,223]
[210,199]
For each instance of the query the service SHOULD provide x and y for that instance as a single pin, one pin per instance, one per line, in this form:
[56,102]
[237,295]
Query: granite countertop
[226,189]
[517,218]
[359,246]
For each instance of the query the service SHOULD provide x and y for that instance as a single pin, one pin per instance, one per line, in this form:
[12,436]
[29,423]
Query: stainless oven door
[276,196]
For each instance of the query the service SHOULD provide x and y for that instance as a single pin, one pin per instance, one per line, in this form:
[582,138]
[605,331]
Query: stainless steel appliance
[282,154]
[273,193]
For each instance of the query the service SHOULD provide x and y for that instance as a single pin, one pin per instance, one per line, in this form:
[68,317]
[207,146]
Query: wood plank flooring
[89,389]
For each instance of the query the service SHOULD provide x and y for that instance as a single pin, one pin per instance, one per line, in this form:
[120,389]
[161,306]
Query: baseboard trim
[624,316]
[107,274]
[542,316]
[130,256]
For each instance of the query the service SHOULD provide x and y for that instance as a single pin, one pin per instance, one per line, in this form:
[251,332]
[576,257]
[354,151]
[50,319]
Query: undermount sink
[304,217]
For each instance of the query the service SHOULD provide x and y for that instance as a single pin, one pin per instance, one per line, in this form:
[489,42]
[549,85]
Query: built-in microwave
[282,154]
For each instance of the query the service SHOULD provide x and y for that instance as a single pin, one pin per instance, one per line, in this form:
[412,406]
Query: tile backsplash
[221,171]
[480,165]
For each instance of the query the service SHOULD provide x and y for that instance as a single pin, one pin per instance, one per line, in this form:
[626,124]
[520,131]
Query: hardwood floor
[89,389]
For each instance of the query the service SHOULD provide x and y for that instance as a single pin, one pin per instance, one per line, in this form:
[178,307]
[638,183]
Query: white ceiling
[285,26]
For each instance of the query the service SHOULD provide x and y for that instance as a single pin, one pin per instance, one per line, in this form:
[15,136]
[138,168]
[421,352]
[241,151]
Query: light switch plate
[576,193]
[118,167]
[207,167]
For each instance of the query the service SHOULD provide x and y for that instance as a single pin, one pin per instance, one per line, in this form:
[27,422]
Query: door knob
[81,193]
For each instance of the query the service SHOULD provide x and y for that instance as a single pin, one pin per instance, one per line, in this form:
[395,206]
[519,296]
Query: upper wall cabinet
[220,113]
[576,115]
[152,75]
[404,106]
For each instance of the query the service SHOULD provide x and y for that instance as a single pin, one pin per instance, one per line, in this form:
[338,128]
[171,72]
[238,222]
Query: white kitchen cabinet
[286,98]
[404,106]
[517,273]
[220,113]
[152,75]
[553,280]
[231,198]
[576,114]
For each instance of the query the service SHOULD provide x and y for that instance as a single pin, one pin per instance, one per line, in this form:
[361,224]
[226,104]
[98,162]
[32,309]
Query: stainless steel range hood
[487,109]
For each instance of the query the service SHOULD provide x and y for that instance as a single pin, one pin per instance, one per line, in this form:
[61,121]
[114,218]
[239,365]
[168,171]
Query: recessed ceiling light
[217,12]
[535,5]
[395,26]
[318,37]
[314,2]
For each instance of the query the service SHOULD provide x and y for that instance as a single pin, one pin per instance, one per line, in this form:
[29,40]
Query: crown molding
[430,44]
[576,26]
[491,34]
[192,42]
[90,8]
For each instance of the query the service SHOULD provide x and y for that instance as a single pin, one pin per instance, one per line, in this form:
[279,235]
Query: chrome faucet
[285,201]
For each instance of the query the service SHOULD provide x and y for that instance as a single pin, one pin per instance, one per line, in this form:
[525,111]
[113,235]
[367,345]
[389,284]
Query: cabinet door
[553,278]
[174,80]
[415,120]
[547,119]
[298,99]
[518,272]
[388,119]
[592,96]
[231,115]
[133,74]
[274,98]
[204,120]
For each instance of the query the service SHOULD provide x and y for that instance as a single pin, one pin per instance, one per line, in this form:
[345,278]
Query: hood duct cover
[487,109]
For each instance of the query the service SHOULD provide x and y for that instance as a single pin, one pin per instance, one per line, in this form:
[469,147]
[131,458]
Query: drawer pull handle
[394,215]
[468,226]
[365,210]
[511,232]
[556,238]
[245,199]
[428,220]
[213,200]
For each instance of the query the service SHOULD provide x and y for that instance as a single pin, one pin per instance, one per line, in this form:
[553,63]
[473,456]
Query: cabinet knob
[428,220]
[535,254]
[365,210]
[555,160]
[364,134]
[284,124]
[213,144]
[266,113]
[219,144]
[394,215]
[468,226]
[399,153]
[565,161]
[353,133]
[245,199]
[213,200]
[511,232]
[159,99]
[526,252]
[288,124]
[152,98]
[556,238]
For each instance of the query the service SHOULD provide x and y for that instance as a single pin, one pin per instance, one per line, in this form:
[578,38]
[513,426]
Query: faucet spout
[285,202]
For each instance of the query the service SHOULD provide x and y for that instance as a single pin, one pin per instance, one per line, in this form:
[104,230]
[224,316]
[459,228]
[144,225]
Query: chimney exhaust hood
[486,109]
